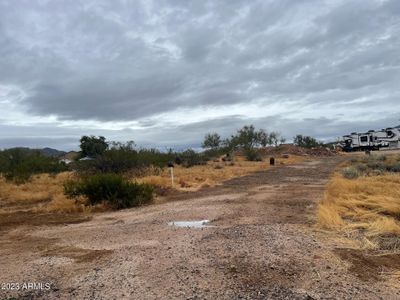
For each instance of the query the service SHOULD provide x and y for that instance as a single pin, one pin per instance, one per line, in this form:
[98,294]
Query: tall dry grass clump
[44,193]
[368,205]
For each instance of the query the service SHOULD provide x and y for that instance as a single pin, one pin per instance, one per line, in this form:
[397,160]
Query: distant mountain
[45,151]
[52,152]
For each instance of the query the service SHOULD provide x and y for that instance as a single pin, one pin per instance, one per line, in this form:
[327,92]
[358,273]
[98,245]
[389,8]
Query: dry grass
[367,208]
[214,173]
[43,193]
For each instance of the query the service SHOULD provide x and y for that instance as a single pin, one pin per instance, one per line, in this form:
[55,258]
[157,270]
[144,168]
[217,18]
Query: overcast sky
[164,73]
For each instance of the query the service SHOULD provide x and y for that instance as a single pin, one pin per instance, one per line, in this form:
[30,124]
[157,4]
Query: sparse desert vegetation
[362,201]
[45,193]
[40,183]
[277,199]
[20,164]
[213,173]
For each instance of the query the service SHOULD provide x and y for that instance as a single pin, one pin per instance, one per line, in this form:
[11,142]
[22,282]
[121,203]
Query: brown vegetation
[366,208]
[45,193]
[214,173]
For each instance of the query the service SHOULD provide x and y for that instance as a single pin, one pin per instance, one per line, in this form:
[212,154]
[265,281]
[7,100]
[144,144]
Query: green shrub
[211,154]
[306,142]
[381,157]
[394,168]
[191,158]
[361,168]
[122,158]
[19,164]
[112,188]
[376,165]
[113,161]
[350,173]
[252,155]
[93,146]
[154,157]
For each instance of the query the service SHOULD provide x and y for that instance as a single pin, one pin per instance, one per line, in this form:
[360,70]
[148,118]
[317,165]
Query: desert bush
[111,188]
[376,165]
[394,168]
[381,157]
[350,173]
[19,164]
[119,159]
[93,146]
[252,155]
[248,137]
[361,168]
[124,158]
[191,158]
[388,241]
[212,141]
[306,141]
[212,154]
[154,157]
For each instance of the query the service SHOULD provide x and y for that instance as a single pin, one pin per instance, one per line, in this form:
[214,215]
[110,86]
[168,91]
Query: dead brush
[366,205]
[44,193]
[211,174]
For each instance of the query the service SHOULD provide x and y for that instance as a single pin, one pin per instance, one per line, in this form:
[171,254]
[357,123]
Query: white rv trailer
[372,140]
[392,137]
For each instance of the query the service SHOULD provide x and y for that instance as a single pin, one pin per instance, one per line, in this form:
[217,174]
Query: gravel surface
[260,243]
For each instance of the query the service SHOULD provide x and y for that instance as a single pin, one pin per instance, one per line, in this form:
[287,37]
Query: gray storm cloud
[178,69]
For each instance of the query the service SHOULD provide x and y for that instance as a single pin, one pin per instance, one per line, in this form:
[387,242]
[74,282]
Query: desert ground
[261,242]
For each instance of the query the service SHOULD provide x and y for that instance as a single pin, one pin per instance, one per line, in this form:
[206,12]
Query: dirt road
[260,243]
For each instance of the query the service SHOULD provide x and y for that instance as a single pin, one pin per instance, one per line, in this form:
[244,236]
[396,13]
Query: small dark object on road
[368,152]
[272,161]
[170,164]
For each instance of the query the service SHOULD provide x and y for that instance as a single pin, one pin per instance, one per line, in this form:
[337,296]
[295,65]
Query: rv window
[371,139]
[364,139]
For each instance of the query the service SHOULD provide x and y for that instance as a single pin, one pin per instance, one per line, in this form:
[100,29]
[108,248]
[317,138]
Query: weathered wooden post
[171,170]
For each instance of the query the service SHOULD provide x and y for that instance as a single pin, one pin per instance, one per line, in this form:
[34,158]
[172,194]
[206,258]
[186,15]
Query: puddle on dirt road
[190,224]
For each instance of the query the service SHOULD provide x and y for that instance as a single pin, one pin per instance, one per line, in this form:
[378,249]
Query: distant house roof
[66,160]
[86,158]
[72,155]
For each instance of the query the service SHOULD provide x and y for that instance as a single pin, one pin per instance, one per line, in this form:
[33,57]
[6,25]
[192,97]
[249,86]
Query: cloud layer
[164,73]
